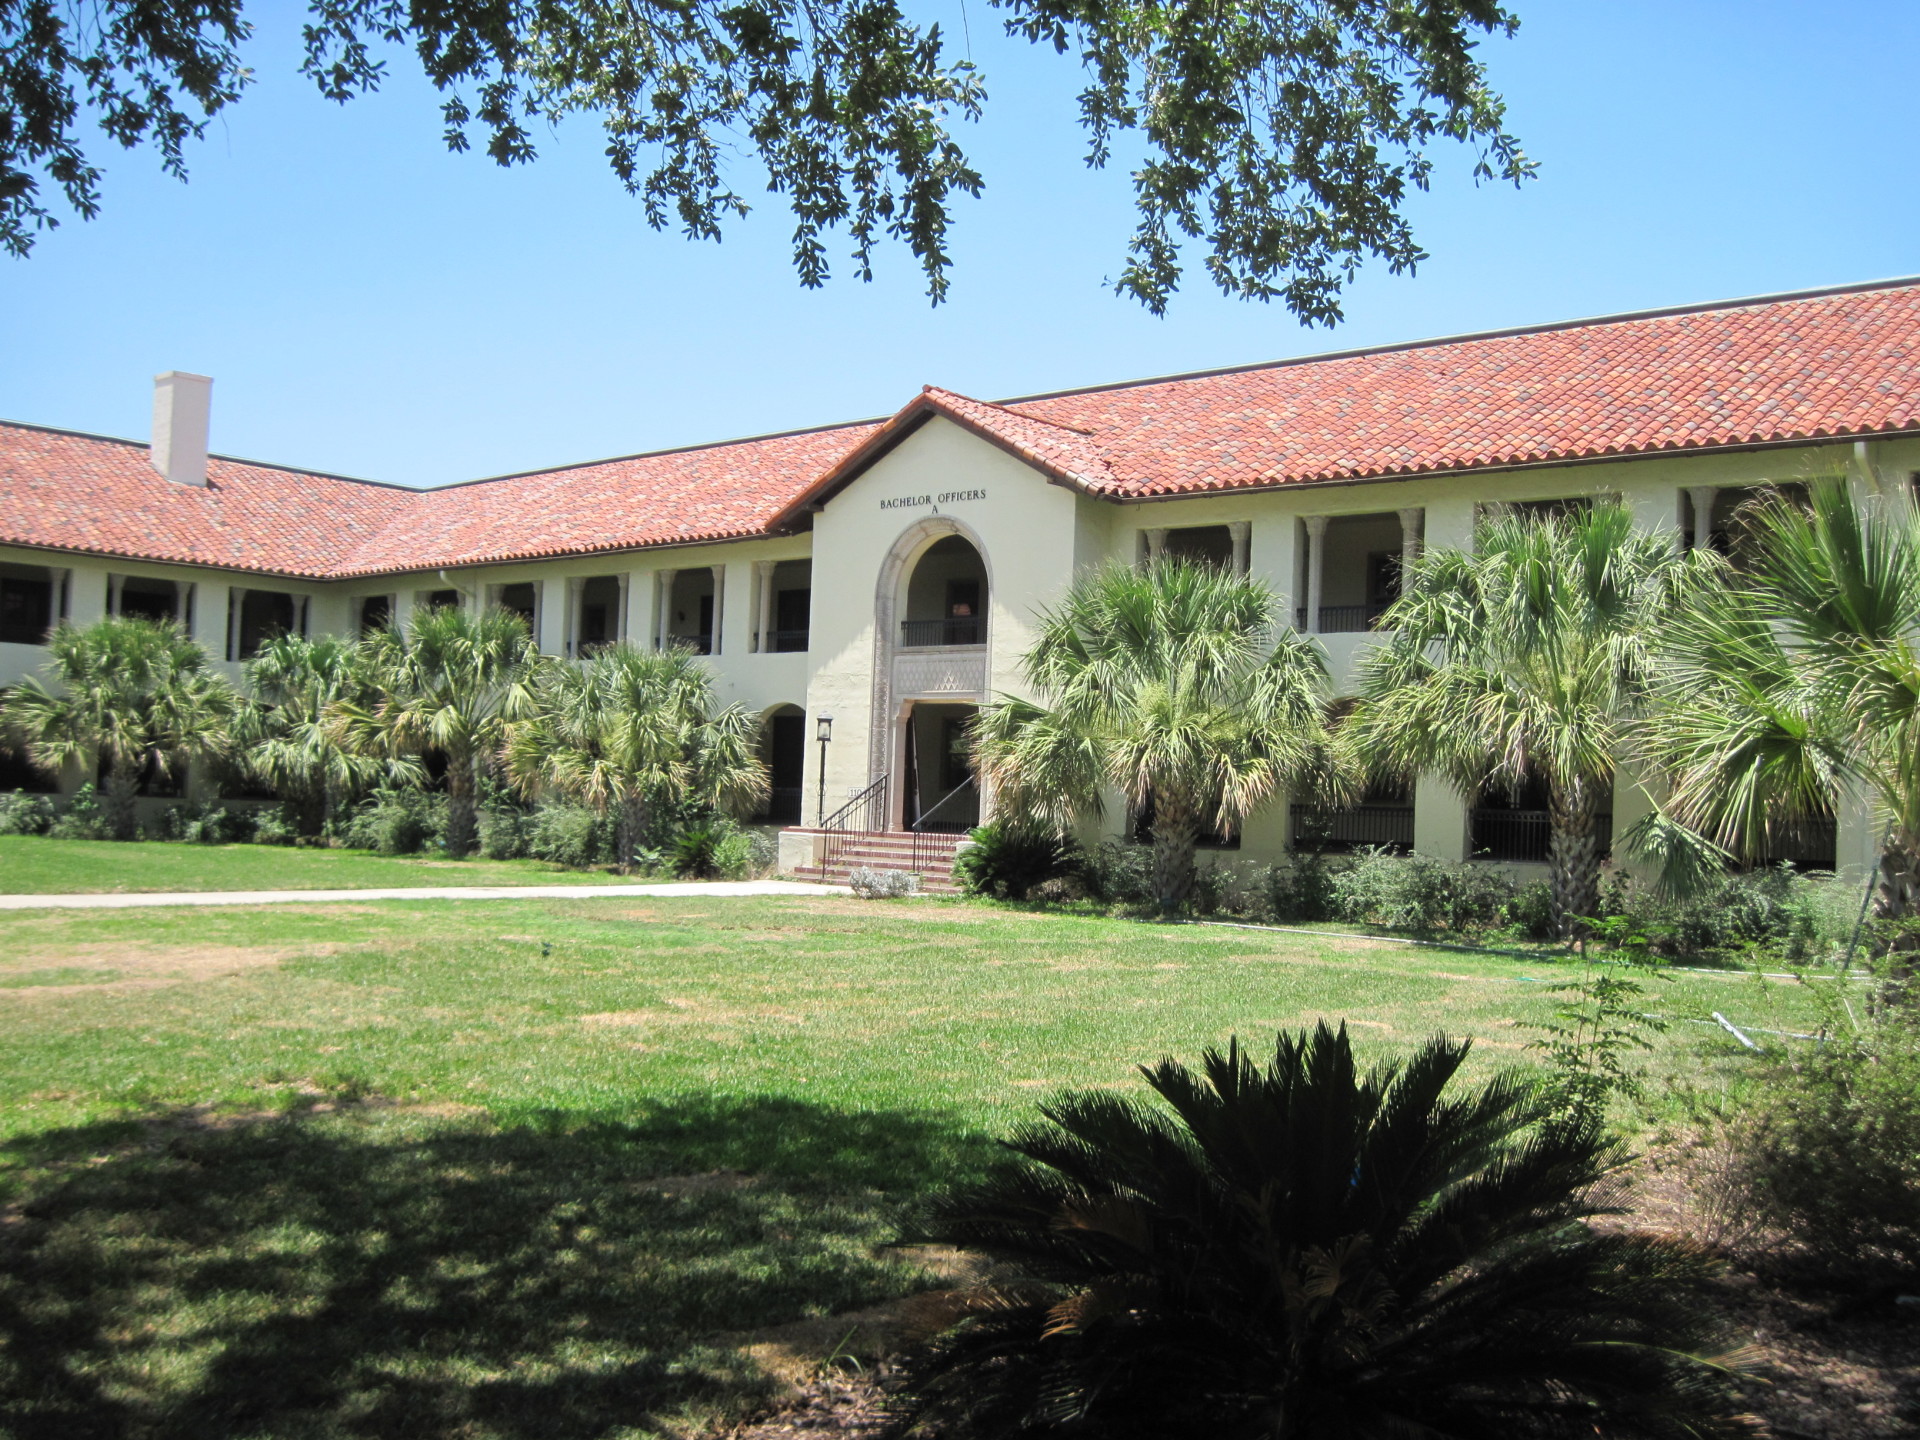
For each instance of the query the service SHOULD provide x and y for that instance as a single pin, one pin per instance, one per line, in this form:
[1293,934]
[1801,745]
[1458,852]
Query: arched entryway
[783,748]
[946,599]
[939,792]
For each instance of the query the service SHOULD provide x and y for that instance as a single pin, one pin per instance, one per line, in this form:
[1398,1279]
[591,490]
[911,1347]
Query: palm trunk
[1897,900]
[463,825]
[118,790]
[1573,853]
[1173,840]
[629,829]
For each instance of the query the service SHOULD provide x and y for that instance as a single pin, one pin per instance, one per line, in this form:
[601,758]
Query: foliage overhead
[1283,136]
[1172,685]
[1301,1251]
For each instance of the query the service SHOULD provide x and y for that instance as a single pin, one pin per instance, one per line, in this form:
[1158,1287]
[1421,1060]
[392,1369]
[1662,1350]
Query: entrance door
[787,760]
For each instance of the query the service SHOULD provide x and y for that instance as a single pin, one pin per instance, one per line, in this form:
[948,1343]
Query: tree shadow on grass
[386,1273]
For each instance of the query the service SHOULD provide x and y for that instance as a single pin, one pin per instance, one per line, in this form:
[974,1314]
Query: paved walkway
[686,888]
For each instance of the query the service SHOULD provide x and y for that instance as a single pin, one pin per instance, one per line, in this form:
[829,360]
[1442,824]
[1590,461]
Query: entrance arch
[922,649]
[783,748]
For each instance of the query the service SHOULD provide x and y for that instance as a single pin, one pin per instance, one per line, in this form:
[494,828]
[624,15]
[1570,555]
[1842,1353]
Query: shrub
[209,824]
[744,854]
[1827,1143]
[24,814]
[272,827]
[1303,892]
[84,817]
[1117,873]
[569,835]
[1799,916]
[506,831]
[397,822]
[1303,1250]
[695,851]
[870,884]
[1530,911]
[1008,861]
[1419,893]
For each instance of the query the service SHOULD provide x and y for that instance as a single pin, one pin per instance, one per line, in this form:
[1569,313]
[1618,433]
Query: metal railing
[785,642]
[864,814]
[783,805]
[1344,619]
[1359,827]
[954,630]
[1524,836]
[1810,843]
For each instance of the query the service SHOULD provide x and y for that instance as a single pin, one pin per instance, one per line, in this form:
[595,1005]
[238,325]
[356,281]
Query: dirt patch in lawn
[130,966]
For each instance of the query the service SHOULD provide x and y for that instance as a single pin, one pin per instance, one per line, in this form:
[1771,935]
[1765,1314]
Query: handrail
[928,813]
[838,820]
[839,826]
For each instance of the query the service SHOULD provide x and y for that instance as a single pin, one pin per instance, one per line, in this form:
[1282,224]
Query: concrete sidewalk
[690,889]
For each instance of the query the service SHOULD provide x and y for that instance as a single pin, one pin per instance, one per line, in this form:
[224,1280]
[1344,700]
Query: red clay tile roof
[1840,364]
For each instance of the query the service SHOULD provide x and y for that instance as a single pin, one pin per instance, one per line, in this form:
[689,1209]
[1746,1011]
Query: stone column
[663,613]
[1156,543]
[236,600]
[1242,532]
[623,622]
[550,627]
[113,594]
[1410,519]
[763,615]
[1316,568]
[570,622]
[1702,497]
[719,605]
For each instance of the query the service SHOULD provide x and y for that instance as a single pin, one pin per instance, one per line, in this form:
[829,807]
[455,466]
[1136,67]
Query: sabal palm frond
[128,696]
[1303,1251]
[452,684]
[1171,684]
[632,728]
[1798,678]
[1528,657]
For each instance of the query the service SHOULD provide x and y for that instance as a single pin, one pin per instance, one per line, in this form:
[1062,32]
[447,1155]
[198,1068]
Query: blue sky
[372,305]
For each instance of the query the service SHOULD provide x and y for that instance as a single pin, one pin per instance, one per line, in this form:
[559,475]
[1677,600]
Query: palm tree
[1797,677]
[630,729]
[451,685]
[1172,684]
[1303,1252]
[132,699]
[286,738]
[1525,659]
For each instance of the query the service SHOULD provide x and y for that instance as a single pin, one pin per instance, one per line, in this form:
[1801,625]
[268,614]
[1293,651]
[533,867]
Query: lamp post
[823,732]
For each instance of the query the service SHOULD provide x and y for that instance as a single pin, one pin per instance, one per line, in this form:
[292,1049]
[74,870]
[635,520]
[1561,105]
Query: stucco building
[886,573]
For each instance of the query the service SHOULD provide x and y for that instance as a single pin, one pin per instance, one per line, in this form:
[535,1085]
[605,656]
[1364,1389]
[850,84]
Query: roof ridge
[1009,410]
[1623,317]
[212,455]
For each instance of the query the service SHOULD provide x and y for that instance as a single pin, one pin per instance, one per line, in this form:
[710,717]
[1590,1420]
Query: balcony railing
[699,644]
[1388,827]
[1809,843]
[955,630]
[1524,836]
[1345,619]
[785,642]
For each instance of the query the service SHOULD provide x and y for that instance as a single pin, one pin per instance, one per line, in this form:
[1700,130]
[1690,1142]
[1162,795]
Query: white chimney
[181,403]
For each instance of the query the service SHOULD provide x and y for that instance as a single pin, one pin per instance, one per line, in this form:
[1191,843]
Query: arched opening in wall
[941,795]
[783,746]
[946,597]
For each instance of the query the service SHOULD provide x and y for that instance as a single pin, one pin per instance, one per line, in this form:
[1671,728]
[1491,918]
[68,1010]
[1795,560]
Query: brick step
[894,850]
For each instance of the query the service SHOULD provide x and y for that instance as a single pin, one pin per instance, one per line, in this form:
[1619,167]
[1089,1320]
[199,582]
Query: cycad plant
[1527,657]
[131,698]
[284,737]
[631,729]
[450,685]
[1171,684]
[1798,677]
[1304,1252]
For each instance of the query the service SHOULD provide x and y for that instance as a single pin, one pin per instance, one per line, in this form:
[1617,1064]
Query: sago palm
[633,728]
[1796,679]
[451,684]
[1304,1252]
[129,698]
[1526,658]
[285,738]
[1171,684]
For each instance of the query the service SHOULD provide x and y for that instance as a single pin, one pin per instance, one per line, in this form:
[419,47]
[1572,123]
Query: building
[886,573]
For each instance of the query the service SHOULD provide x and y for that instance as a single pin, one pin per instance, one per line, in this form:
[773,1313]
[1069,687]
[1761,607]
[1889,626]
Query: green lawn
[399,1169]
[36,865]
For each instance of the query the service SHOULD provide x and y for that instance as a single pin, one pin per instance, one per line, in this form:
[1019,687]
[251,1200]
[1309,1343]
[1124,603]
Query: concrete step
[895,850]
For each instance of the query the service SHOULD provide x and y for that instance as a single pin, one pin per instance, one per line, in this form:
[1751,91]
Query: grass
[399,1169]
[36,865]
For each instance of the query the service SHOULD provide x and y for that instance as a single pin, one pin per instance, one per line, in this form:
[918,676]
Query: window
[792,614]
[27,604]
[148,599]
[257,616]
